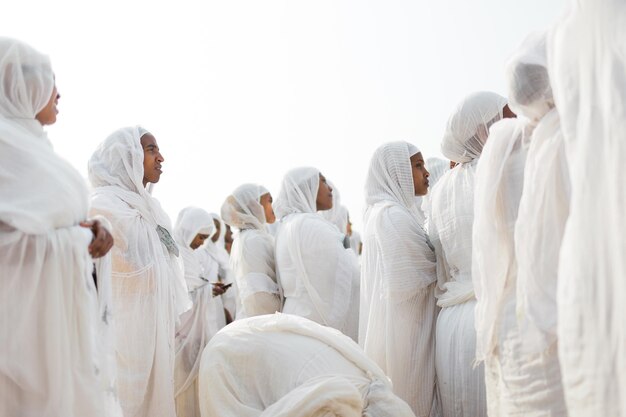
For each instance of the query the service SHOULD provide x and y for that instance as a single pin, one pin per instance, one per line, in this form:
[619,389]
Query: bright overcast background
[242,91]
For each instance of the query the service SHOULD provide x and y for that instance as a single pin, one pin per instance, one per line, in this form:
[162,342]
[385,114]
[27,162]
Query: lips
[159,169]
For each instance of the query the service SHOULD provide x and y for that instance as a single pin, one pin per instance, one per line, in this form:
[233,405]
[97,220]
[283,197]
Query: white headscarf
[468,127]
[298,192]
[117,167]
[29,200]
[243,210]
[389,177]
[530,93]
[190,222]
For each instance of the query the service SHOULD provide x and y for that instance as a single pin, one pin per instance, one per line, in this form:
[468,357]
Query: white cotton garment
[397,280]
[252,255]
[149,291]
[461,385]
[198,325]
[318,275]
[587,63]
[49,316]
[355,242]
[217,252]
[436,168]
[499,178]
[516,244]
[283,365]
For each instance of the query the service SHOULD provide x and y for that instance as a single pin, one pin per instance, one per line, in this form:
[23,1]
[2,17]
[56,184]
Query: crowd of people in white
[488,284]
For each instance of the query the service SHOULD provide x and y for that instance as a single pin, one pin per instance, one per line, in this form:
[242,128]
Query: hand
[102,240]
[218,289]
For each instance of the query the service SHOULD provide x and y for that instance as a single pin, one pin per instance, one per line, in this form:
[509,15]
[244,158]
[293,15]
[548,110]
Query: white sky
[242,91]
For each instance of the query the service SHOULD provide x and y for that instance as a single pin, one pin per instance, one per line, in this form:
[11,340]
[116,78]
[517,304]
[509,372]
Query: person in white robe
[196,327]
[248,209]
[587,63]
[283,365]
[217,260]
[517,383]
[461,385]
[436,168]
[149,291]
[317,274]
[398,311]
[52,350]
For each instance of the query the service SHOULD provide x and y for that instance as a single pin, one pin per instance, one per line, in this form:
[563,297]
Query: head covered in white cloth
[117,165]
[28,164]
[298,192]
[243,210]
[192,221]
[390,176]
[530,93]
[468,127]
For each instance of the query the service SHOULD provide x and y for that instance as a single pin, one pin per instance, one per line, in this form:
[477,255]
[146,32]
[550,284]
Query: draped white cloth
[252,255]
[397,280]
[49,321]
[286,366]
[517,271]
[149,291]
[587,64]
[461,385]
[318,275]
[499,179]
[355,242]
[215,252]
[436,168]
[198,325]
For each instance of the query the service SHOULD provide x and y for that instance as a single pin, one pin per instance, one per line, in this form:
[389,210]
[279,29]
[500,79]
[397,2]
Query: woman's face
[48,115]
[218,230]
[420,174]
[152,159]
[266,201]
[198,241]
[324,199]
[228,239]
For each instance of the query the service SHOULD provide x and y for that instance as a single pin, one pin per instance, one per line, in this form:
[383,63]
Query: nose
[160,158]
[426,173]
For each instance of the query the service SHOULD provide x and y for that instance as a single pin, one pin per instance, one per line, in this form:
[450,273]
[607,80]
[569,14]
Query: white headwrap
[468,127]
[117,167]
[530,93]
[190,222]
[298,192]
[390,177]
[242,209]
[30,202]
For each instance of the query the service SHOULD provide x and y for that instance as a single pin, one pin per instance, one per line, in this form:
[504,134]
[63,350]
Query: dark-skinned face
[152,160]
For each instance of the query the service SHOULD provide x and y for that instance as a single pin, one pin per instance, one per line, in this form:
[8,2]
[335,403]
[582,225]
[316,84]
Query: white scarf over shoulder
[149,291]
[252,254]
[397,273]
[587,64]
[48,303]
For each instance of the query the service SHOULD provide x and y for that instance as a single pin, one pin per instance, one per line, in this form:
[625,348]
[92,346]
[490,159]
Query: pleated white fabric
[287,366]
[499,179]
[318,275]
[252,255]
[149,291]
[198,325]
[520,366]
[461,385]
[397,280]
[49,321]
[587,64]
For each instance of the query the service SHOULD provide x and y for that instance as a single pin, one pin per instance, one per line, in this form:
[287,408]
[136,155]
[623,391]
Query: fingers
[102,241]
